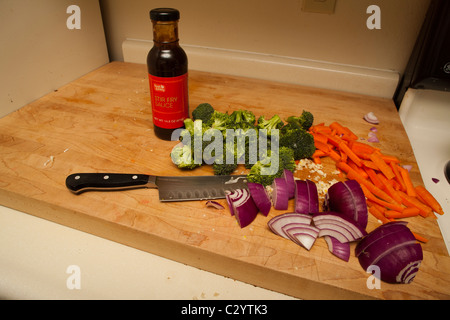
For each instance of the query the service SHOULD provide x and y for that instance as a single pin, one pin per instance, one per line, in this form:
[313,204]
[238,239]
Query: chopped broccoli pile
[201,145]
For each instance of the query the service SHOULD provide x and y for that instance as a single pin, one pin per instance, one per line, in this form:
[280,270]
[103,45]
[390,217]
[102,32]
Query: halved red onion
[338,226]
[290,182]
[339,249]
[393,248]
[306,197]
[348,198]
[302,234]
[280,196]
[260,196]
[277,223]
[243,207]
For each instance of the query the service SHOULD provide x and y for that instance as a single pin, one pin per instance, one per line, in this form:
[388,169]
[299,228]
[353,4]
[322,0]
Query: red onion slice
[302,234]
[260,196]
[338,226]
[243,207]
[277,223]
[339,249]
[280,196]
[290,182]
[214,204]
[306,197]
[393,249]
[371,118]
[349,199]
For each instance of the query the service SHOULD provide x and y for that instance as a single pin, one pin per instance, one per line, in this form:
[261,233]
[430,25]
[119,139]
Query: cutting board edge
[254,274]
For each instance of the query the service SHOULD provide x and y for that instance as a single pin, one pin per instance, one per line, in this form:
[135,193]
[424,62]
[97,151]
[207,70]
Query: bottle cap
[164,14]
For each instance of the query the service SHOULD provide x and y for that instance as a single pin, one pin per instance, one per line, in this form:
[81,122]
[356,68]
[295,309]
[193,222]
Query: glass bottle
[168,74]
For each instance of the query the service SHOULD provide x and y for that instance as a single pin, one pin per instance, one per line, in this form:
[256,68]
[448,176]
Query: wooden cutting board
[102,123]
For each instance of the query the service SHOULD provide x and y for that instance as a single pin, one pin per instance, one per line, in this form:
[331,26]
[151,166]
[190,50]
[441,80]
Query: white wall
[38,53]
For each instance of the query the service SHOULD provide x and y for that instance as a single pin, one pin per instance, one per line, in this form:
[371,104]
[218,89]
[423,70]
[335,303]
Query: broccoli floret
[285,161]
[203,112]
[273,123]
[305,121]
[242,119]
[255,175]
[299,140]
[183,157]
[227,163]
[219,121]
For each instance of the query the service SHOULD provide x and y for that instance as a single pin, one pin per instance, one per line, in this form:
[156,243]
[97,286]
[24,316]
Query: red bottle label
[170,101]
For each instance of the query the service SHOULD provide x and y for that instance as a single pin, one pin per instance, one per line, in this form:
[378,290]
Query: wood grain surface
[102,123]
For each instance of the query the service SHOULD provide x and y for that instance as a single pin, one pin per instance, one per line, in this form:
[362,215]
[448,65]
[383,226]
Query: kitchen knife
[170,188]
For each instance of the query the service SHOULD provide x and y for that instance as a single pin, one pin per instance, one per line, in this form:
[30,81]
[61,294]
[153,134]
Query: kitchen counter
[102,123]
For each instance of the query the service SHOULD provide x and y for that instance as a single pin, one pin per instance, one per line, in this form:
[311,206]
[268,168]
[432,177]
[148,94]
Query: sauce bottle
[168,74]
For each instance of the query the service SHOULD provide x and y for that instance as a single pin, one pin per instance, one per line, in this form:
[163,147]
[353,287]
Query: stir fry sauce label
[169,98]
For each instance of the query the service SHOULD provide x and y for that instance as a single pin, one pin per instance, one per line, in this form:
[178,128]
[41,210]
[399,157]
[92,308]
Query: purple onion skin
[348,198]
[280,194]
[306,197]
[391,247]
[259,195]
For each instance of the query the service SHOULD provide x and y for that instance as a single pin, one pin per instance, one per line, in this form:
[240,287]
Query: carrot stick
[390,159]
[357,169]
[317,160]
[319,153]
[398,176]
[384,168]
[406,213]
[429,199]
[409,201]
[361,148]
[344,147]
[319,137]
[322,146]
[410,191]
[383,203]
[390,190]
[352,174]
[369,164]
[420,238]
[374,178]
[334,155]
[343,166]
[378,214]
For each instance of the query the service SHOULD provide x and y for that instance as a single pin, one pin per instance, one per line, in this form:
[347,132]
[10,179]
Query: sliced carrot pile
[389,191]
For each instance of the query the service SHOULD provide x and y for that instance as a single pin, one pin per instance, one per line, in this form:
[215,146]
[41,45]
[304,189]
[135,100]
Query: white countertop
[40,259]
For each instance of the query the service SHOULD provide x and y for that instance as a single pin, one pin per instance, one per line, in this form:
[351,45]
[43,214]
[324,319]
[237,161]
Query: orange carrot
[379,201]
[334,155]
[429,199]
[359,170]
[317,160]
[319,153]
[373,177]
[398,176]
[343,166]
[369,164]
[361,148]
[406,213]
[389,159]
[322,146]
[319,137]
[410,191]
[409,201]
[378,214]
[344,147]
[384,168]
[389,189]
[420,238]
[352,174]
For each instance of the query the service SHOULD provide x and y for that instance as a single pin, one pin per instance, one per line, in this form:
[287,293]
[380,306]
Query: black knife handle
[80,182]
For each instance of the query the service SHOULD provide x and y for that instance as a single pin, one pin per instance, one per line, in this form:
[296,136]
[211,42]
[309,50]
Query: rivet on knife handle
[80,182]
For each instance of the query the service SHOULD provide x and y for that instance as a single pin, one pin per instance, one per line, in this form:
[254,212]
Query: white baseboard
[360,80]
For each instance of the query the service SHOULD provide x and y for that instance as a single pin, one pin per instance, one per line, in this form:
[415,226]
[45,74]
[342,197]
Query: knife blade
[171,188]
